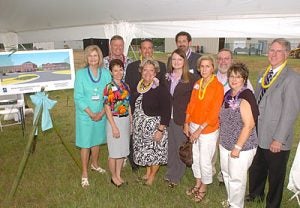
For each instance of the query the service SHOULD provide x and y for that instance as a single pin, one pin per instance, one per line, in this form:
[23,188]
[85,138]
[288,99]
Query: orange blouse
[206,110]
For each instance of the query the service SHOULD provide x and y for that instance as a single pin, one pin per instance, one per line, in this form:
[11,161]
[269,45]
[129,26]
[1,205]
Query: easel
[30,148]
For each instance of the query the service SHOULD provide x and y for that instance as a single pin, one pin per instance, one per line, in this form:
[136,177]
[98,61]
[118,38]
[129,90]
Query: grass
[52,179]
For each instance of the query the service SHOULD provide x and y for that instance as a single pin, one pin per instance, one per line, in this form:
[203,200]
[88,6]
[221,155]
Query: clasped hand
[96,116]
[192,136]
[157,136]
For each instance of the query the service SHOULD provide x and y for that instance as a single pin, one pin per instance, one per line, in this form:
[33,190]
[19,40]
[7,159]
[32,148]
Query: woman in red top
[202,125]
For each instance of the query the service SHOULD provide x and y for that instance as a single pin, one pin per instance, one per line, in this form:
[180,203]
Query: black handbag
[186,153]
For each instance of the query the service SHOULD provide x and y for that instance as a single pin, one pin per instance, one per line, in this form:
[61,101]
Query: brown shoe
[199,196]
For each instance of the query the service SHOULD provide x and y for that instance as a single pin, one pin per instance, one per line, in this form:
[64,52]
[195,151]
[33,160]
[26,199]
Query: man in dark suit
[278,97]
[184,41]
[133,76]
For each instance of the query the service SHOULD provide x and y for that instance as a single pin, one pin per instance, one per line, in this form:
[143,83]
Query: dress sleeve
[248,95]
[79,94]
[106,94]
[164,105]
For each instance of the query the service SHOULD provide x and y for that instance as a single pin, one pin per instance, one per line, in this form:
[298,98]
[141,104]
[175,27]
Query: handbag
[186,153]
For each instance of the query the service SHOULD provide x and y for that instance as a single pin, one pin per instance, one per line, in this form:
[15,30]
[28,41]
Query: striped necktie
[267,81]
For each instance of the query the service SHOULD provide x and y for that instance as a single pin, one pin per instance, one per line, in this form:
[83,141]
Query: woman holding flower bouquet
[238,138]
[151,116]
[117,108]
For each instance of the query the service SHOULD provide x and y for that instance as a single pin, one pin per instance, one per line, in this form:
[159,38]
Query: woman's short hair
[239,68]
[149,61]
[115,62]
[205,58]
[88,50]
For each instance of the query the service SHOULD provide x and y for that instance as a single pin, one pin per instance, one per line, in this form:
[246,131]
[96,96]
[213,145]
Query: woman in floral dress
[150,118]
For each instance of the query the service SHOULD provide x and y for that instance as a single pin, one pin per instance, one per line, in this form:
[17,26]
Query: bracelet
[237,147]
[158,129]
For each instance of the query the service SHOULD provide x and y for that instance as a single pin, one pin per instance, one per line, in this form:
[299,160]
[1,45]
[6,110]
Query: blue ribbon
[40,99]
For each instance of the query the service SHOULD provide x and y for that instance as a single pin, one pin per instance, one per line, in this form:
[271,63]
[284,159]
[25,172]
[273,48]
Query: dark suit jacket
[155,102]
[278,110]
[193,63]
[181,98]
[133,76]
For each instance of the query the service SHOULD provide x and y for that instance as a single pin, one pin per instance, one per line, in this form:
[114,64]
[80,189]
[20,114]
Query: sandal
[99,169]
[84,182]
[199,196]
[172,185]
[192,190]
[225,204]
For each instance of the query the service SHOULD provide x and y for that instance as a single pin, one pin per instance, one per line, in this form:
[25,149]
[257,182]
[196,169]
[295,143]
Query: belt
[121,115]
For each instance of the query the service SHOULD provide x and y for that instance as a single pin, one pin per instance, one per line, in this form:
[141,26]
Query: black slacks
[267,164]
[130,156]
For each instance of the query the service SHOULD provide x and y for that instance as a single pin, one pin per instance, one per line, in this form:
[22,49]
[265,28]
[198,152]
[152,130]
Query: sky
[36,57]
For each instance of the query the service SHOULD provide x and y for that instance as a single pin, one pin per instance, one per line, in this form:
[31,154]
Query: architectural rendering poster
[29,71]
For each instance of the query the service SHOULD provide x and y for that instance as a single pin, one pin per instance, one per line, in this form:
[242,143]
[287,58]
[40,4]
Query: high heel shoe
[116,185]
[99,169]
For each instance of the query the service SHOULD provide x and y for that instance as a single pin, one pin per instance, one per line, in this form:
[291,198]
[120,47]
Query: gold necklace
[201,93]
[263,85]
[141,88]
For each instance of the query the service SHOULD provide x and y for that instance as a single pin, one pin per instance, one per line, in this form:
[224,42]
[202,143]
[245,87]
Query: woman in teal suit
[90,115]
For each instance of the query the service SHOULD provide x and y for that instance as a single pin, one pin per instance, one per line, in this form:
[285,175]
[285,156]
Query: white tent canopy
[55,20]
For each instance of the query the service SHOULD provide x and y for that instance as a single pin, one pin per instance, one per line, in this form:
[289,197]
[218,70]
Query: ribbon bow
[40,99]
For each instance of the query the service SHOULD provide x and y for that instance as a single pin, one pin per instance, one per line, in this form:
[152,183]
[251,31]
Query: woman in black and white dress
[151,116]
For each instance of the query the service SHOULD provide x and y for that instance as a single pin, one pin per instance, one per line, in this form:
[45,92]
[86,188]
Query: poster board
[29,71]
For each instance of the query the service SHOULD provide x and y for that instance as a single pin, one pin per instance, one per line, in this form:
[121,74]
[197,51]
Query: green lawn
[52,179]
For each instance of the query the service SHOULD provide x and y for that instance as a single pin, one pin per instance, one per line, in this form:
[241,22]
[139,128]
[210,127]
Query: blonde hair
[88,50]
[205,58]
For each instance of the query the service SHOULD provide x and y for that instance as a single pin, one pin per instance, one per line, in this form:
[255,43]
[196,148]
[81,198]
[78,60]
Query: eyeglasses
[235,77]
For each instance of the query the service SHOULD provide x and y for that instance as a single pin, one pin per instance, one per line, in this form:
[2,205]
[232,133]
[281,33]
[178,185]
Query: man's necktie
[267,81]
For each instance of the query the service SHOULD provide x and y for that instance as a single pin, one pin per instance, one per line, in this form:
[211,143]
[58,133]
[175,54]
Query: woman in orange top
[202,125]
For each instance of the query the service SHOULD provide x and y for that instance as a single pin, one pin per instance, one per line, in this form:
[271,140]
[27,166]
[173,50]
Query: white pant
[203,152]
[234,172]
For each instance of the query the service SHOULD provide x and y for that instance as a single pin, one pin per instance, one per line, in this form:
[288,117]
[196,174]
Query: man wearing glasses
[278,98]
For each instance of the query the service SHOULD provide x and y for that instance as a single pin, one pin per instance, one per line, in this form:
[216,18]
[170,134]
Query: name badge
[196,86]
[114,88]
[95,97]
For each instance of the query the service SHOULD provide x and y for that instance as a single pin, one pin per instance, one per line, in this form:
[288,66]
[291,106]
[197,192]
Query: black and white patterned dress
[146,151]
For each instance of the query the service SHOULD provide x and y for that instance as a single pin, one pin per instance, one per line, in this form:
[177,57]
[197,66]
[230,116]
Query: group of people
[152,109]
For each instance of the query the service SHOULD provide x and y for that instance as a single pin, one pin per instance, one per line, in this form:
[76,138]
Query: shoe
[172,185]
[84,182]
[225,204]
[116,185]
[99,169]
[192,191]
[199,196]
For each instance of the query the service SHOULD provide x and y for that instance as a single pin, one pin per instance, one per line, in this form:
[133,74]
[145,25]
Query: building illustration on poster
[29,71]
